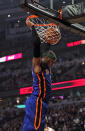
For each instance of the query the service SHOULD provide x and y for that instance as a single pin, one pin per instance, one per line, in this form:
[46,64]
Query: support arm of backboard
[35,8]
[76,19]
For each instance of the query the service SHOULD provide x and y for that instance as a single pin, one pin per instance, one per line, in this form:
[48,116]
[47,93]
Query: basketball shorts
[34,119]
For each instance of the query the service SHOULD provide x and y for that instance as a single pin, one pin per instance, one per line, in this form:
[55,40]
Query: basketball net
[42,25]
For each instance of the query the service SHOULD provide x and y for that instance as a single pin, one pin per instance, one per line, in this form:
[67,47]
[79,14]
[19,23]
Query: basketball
[52,35]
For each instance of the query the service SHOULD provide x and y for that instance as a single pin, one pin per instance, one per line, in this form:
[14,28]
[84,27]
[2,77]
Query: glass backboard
[68,14]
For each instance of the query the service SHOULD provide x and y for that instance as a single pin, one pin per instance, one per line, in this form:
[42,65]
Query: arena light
[70,84]
[20,106]
[10,57]
[9,15]
[75,43]
[64,2]
[26,90]
[57,86]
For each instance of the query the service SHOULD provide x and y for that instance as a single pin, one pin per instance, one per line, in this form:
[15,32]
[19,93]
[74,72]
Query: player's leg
[73,10]
[28,124]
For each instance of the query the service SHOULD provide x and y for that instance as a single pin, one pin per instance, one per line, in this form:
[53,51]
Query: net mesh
[41,26]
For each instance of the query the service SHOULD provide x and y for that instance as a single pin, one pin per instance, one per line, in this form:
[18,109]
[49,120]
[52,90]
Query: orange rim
[35,16]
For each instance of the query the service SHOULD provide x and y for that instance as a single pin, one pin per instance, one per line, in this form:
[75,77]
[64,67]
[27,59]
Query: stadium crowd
[16,75]
[64,115]
[69,117]
[11,118]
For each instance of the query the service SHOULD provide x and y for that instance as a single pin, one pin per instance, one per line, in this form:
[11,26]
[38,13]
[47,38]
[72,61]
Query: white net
[47,36]
[41,32]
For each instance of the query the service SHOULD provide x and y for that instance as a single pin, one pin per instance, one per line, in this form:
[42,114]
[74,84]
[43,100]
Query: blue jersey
[42,85]
[36,104]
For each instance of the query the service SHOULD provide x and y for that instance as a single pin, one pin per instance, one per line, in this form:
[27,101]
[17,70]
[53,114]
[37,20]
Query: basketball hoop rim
[36,16]
[43,28]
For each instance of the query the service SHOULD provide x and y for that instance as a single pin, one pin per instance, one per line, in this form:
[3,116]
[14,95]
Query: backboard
[68,14]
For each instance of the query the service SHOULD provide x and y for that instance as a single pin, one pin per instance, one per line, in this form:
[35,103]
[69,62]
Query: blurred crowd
[11,118]
[69,117]
[68,70]
[64,115]
[18,75]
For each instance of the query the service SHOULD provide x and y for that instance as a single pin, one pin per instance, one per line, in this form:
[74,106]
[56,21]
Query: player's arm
[36,51]
[36,47]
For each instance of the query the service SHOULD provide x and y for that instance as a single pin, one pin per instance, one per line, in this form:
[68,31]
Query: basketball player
[37,103]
